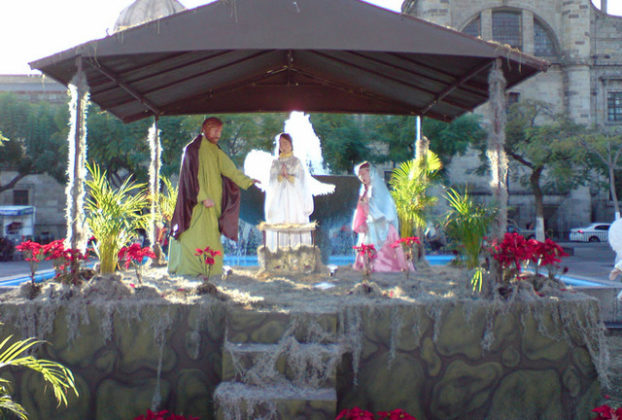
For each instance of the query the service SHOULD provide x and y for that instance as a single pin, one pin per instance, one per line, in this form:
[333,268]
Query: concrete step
[236,401]
[270,327]
[312,365]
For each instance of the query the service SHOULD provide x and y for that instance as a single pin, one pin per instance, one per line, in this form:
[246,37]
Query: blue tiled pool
[251,260]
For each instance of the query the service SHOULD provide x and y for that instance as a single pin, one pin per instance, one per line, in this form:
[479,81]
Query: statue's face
[212,133]
[364,176]
[284,145]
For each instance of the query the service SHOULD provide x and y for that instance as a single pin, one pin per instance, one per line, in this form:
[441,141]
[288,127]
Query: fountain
[330,210]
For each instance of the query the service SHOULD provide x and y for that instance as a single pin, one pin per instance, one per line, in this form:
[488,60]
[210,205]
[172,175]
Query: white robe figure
[288,200]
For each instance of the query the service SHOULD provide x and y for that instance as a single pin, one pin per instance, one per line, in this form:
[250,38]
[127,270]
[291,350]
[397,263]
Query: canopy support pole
[496,148]
[498,161]
[76,168]
[154,179]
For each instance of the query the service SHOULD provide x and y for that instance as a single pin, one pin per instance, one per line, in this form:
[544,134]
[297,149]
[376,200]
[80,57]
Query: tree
[121,149]
[536,142]
[243,132]
[606,150]
[37,134]
[343,141]
[446,139]
[450,139]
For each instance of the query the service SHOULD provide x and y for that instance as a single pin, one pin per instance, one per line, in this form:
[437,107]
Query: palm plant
[410,183]
[468,223]
[58,376]
[167,199]
[113,215]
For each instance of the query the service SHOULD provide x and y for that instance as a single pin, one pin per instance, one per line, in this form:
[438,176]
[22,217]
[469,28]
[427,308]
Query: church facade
[583,45]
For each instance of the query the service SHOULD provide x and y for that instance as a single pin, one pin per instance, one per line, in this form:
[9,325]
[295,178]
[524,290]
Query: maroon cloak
[188,190]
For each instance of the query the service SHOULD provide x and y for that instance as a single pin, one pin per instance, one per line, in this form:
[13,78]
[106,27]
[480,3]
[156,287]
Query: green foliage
[56,375]
[450,139]
[113,215]
[467,223]
[343,141]
[119,148]
[37,144]
[243,132]
[167,199]
[410,183]
[537,141]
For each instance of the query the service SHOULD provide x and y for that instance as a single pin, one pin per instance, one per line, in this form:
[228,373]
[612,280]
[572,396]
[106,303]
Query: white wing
[320,188]
[615,235]
[257,165]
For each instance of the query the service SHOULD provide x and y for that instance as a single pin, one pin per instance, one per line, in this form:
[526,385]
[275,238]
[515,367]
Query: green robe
[203,230]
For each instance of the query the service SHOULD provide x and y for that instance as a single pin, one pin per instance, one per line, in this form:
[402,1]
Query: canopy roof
[282,55]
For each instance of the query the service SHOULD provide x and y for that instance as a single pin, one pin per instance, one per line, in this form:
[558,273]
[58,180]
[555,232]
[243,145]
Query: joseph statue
[208,202]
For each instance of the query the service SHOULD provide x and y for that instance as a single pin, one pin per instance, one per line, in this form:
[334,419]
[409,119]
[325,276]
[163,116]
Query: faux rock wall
[116,353]
[474,360]
[437,360]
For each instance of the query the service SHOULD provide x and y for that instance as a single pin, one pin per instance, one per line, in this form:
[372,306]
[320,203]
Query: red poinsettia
[408,241]
[163,415]
[548,253]
[515,251]
[368,252]
[134,255]
[33,253]
[396,414]
[360,414]
[355,414]
[206,256]
[607,413]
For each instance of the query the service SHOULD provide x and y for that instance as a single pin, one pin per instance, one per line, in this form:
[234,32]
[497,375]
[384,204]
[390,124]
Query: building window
[506,28]
[513,98]
[542,42]
[20,197]
[474,28]
[614,107]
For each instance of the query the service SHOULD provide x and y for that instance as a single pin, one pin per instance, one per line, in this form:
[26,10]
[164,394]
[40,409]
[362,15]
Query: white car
[596,232]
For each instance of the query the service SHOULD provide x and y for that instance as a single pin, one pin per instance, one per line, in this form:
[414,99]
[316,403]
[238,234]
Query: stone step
[313,365]
[270,327]
[236,401]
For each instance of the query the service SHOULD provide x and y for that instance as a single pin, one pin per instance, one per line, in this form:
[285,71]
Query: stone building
[43,191]
[584,46]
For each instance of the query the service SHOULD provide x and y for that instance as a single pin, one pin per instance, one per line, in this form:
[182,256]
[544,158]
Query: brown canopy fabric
[282,55]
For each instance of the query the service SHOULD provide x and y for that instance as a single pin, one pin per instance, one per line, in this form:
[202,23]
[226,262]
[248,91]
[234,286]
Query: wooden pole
[154,179]
[75,219]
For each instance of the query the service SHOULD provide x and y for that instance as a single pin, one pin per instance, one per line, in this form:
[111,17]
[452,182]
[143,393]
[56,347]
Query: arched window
[474,28]
[542,42]
[506,28]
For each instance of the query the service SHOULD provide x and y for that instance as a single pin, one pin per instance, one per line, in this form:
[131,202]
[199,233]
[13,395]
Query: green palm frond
[58,376]
[467,223]
[7,404]
[410,183]
[113,215]
[167,199]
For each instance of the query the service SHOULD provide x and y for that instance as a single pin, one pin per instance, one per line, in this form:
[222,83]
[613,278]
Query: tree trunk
[11,184]
[614,195]
[534,181]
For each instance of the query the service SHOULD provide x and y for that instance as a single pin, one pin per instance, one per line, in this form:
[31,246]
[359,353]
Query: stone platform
[282,348]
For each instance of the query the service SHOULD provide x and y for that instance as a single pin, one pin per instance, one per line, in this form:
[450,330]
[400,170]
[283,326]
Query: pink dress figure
[375,221]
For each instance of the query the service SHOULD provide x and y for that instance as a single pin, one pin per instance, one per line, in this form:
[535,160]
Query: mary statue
[288,196]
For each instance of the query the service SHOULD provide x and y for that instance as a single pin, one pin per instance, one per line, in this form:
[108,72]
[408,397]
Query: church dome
[142,11]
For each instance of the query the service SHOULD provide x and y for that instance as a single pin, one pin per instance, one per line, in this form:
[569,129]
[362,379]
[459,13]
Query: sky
[34,29]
